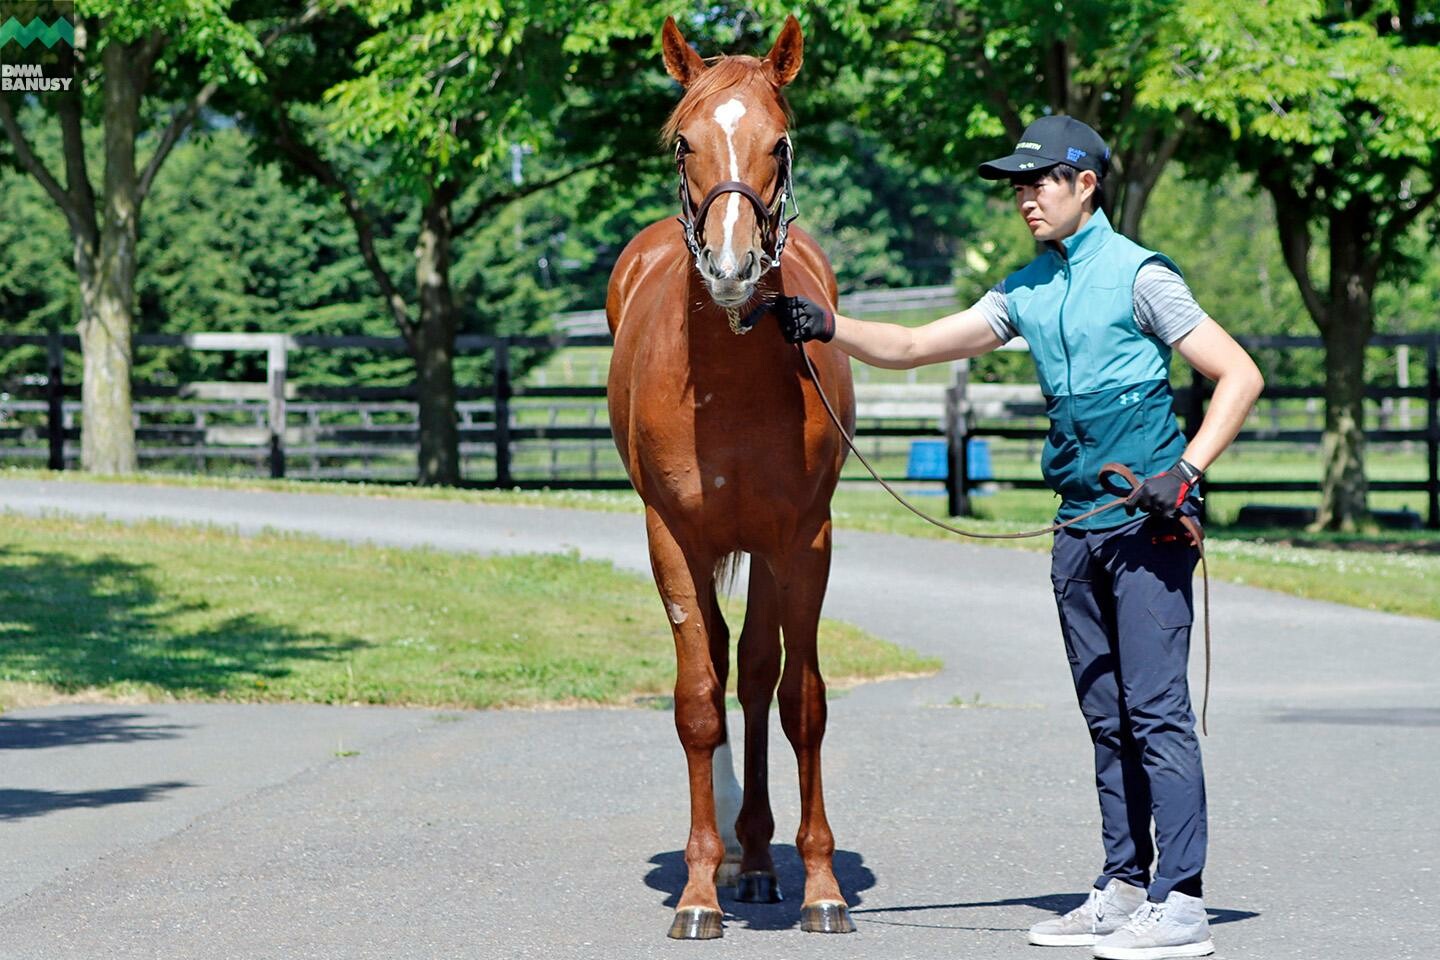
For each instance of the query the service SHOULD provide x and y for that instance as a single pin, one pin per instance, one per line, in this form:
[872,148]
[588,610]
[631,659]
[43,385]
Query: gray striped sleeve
[1164,306]
[993,308]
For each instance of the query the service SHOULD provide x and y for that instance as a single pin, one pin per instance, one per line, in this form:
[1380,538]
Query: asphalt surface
[229,831]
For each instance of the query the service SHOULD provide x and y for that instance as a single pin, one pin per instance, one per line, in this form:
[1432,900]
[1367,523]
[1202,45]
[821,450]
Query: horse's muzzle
[730,284]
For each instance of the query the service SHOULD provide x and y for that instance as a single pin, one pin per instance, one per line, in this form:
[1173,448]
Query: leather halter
[774,224]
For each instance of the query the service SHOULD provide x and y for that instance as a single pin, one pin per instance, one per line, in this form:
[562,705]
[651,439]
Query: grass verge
[98,610]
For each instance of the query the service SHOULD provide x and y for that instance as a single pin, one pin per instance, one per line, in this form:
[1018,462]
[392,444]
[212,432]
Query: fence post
[502,413]
[957,477]
[1432,431]
[55,395]
[275,370]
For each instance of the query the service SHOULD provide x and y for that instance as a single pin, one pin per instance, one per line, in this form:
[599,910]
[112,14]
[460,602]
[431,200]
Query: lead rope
[1197,535]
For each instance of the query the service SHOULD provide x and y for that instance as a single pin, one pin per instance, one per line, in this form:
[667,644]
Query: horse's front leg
[699,720]
[802,714]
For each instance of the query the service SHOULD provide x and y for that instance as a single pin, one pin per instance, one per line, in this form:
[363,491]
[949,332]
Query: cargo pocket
[1070,591]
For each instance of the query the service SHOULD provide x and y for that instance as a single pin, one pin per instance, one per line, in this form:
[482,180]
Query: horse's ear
[681,62]
[784,59]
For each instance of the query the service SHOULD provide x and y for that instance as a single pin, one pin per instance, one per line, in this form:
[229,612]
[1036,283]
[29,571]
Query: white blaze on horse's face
[728,115]
[732,255]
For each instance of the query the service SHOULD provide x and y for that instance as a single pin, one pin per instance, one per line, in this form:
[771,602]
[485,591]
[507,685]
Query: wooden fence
[964,423]
[526,432]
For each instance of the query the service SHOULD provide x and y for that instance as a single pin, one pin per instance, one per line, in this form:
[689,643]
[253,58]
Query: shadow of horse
[1057,903]
[669,875]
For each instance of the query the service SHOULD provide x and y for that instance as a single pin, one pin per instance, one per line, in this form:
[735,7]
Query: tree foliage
[1335,108]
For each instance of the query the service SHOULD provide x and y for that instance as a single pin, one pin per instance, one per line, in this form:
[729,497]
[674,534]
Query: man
[1101,315]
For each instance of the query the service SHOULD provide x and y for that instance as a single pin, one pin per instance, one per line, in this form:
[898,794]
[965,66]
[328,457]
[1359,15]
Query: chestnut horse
[727,442]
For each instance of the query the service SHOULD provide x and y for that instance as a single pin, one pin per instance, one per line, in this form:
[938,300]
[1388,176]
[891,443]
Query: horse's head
[730,131]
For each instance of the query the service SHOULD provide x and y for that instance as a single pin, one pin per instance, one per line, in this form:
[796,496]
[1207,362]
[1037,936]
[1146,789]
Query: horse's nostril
[752,267]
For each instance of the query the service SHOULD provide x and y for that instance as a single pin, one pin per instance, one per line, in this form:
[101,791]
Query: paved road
[180,831]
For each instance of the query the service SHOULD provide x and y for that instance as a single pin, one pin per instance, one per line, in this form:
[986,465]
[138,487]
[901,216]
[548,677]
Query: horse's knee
[700,717]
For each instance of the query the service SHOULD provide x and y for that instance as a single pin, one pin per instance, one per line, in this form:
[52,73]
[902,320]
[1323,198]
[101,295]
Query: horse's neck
[708,325]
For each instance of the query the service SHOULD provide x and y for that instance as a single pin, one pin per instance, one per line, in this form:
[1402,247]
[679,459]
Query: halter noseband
[775,226]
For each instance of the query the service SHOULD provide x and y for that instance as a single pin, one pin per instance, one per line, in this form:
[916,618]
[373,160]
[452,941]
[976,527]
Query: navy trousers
[1126,607]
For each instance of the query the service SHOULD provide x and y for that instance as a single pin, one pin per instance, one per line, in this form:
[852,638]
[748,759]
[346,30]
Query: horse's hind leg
[724,784]
[758,662]
[803,714]
[686,590]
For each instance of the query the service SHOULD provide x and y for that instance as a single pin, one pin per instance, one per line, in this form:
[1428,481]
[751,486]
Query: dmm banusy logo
[37,42]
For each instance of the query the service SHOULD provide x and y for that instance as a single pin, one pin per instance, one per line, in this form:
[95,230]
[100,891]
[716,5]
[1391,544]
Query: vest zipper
[1069,368]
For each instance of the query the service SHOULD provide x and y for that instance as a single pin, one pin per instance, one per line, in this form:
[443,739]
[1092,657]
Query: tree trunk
[1343,488]
[1346,332]
[434,345]
[1345,314]
[107,436]
[108,285]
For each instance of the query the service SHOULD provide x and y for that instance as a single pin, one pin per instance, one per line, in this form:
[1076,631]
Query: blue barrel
[929,460]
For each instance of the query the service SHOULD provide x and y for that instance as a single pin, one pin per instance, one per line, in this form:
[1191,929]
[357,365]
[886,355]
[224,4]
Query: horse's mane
[727,73]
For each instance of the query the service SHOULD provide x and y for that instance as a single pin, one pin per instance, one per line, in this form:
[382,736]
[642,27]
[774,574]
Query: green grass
[98,610]
[1390,574]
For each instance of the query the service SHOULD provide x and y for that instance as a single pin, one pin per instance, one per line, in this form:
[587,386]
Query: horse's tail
[726,569]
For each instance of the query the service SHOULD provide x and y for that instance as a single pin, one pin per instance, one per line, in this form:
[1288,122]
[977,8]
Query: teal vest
[1106,384]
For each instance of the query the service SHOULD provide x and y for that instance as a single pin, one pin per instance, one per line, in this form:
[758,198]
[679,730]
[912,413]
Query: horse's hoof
[727,873]
[827,916]
[758,886]
[696,923]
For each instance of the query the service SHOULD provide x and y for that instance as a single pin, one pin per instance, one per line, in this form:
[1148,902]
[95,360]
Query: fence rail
[518,434]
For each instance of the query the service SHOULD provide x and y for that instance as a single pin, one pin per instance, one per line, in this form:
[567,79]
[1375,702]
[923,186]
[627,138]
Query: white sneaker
[1175,928]
[1103,912]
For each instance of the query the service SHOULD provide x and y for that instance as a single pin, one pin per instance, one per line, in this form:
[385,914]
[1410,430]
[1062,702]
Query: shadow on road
[670,874]
[39,733]
[1056,903]
[23,804]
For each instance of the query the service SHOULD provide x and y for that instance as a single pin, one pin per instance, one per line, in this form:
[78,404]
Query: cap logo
[1027,165]
[1074,153]
[1028,145]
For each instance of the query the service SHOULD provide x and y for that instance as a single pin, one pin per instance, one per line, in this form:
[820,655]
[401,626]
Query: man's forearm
[1234,396]
[886,345]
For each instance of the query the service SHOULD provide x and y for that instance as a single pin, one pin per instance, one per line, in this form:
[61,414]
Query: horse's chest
[706,446]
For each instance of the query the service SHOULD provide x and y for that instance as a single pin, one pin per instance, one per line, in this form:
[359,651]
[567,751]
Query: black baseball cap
[1050,141]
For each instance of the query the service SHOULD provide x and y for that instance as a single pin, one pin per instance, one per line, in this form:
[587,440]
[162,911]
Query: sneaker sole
[1156,953]
[1064,939]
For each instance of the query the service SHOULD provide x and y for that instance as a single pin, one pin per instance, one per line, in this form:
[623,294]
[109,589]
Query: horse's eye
[682,148]
[782,147]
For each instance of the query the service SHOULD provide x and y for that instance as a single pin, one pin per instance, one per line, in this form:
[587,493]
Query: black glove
[1165,492]
[802,319]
